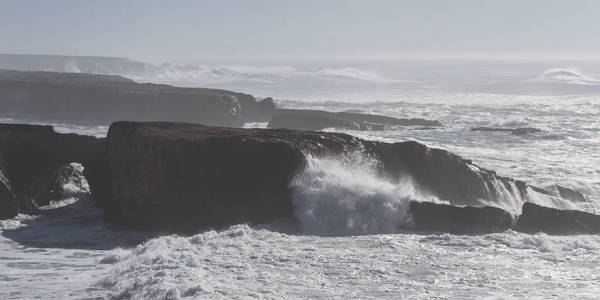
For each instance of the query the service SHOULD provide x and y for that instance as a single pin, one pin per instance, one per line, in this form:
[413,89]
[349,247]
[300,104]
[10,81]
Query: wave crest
[347,196]
[568,76]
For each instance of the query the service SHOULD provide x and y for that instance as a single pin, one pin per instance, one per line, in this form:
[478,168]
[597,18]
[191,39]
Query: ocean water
[351,238]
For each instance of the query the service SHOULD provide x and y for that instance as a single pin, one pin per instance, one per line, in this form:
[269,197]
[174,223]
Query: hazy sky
[181,30]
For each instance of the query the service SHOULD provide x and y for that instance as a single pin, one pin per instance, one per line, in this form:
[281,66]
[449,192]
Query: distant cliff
[103,99]
[74,64]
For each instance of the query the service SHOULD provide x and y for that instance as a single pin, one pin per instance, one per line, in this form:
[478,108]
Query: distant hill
[103,99]
[74,64]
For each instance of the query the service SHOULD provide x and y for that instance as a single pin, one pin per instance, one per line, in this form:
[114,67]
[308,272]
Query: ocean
[348,240]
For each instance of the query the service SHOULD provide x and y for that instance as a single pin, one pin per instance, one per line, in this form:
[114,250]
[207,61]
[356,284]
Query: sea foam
[346,195]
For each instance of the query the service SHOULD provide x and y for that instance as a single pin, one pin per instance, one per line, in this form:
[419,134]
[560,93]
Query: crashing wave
[346,196]
[567,76]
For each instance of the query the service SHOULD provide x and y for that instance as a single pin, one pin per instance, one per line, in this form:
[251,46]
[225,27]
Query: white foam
[568,76]
[346,195]
[242,262]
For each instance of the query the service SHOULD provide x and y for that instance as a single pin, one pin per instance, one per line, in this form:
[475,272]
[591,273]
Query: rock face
[67,181]
[103,99]
[431,217]
[447,176]
[537,218]
[187,177]
[257,111]
[32,154]
[9,207]
[318,120]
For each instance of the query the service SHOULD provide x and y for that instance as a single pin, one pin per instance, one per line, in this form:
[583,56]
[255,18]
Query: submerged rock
[432,217]
[318,120]
[536,218]
[513,131]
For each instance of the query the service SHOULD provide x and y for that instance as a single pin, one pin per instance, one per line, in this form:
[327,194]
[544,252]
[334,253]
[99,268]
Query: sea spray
[346,195]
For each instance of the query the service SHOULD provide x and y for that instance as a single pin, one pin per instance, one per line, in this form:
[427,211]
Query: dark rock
[445,175]
[562,192]
[570,194]
[536,218]
[257,111]
[67,181]
[432,217]
[9,207]
[513,131]
[103,99]
[492,129]
[313,123]
[187,177]
[32,154]
[318,120]
[524,131]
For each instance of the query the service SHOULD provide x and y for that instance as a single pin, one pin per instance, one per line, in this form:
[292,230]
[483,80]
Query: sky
[263,29]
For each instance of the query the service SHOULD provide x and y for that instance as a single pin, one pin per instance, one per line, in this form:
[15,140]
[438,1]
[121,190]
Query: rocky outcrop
[9,207]
[67,181]
[447,176]
[570,194]
[103,99]
[513,131]
[256,111]
[432,217]
[188,177]
[536,218]
[32,155]
[318,120]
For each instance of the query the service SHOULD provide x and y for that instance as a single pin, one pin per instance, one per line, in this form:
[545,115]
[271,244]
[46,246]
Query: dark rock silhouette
[432,217]
[67,181]
[188,177]
[447,176]
[32,154]
[318,120]
[103,99]
[536,218]
[570,194]
[513,131]
[9,207]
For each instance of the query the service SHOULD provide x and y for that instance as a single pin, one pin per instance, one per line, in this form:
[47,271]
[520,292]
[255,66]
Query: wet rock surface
[318,120]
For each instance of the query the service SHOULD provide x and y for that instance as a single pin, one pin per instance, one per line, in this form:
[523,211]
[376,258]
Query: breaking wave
[567,76]
[346,196]
[243,262]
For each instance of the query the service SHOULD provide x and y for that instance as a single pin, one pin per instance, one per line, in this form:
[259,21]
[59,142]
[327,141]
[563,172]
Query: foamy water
[350,239]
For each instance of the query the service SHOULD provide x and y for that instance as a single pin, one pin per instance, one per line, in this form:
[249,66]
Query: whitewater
[351,237]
